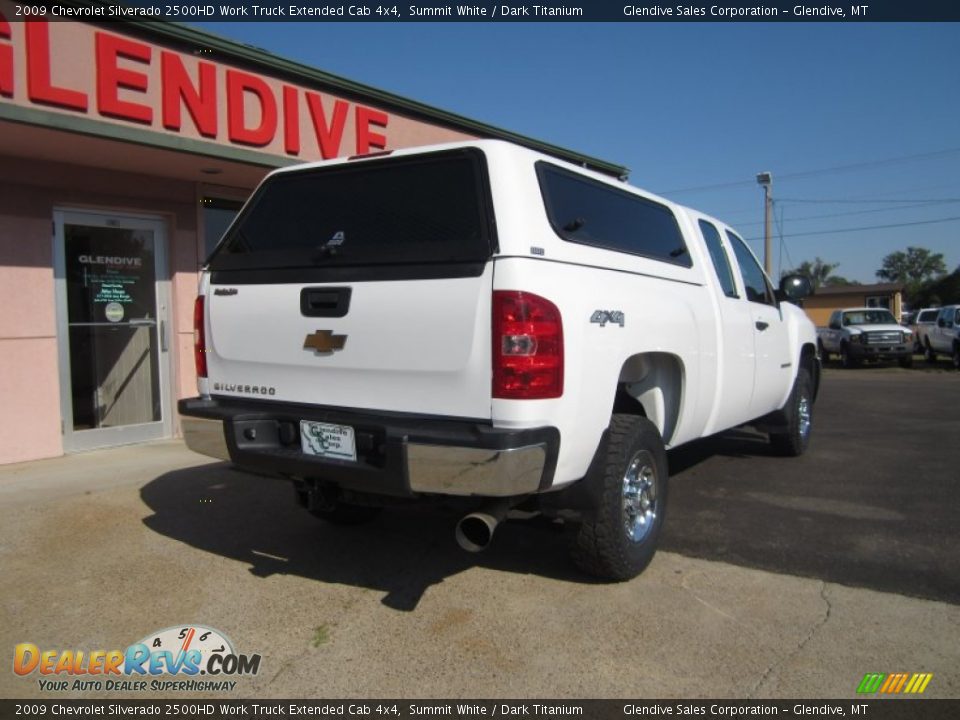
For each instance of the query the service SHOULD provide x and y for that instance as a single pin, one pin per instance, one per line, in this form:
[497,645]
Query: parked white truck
[859,334]
[944,336]
[484,322]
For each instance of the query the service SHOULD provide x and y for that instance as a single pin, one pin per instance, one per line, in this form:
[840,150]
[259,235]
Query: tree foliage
[839,281]
[944,291]
[915,266]
[820,273]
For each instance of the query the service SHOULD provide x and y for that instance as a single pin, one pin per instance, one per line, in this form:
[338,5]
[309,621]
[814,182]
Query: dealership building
[126,149]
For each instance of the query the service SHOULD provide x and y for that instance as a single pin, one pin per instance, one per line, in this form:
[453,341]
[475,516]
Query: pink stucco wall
[29,377]
[47,168]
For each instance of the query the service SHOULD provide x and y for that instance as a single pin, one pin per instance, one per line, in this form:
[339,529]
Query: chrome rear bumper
[396,455]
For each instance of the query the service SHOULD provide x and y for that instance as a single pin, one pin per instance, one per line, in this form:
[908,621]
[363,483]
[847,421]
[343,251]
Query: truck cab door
[735,343]
[773,368]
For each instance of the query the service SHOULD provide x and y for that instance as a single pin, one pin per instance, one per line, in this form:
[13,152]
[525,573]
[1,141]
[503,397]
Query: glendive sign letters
[125,79]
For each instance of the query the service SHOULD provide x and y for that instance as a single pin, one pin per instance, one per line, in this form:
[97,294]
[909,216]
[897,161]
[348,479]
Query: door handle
[761,325]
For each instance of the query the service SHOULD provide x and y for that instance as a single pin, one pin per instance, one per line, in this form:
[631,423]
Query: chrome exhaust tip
[475,531]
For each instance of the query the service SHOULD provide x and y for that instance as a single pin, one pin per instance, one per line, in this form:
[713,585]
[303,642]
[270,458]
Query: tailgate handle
[325,302]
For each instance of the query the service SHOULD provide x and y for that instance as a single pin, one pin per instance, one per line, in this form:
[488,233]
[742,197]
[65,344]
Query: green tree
[819,272]
[912,268]
[839,281]
[944,291]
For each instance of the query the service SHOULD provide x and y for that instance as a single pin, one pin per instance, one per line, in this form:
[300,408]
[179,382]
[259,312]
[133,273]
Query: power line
[826,201]
[870,227]
[803,218]
[821,171]
[730,215]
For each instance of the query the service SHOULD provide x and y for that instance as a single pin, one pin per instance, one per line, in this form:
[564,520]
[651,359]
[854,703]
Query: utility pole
[765,180]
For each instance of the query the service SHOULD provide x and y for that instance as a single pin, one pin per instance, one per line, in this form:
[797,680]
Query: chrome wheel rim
[805,416]
[640,505]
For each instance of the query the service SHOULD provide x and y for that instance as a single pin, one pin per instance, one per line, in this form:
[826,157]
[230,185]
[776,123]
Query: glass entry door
[112,300]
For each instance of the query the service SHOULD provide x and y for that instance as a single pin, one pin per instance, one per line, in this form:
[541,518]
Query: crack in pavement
[800,645]
[688,589]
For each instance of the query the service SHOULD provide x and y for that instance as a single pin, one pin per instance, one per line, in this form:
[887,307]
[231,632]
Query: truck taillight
[199,339]
[527,347]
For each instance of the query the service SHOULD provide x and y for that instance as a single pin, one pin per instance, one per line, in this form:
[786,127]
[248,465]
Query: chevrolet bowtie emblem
[324,341]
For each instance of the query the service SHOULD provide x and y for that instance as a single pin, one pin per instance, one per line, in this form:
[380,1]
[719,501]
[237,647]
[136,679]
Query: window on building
[218,213]
[879,301]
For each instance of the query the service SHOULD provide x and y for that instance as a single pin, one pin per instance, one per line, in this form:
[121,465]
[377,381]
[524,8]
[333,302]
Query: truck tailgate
[416,347]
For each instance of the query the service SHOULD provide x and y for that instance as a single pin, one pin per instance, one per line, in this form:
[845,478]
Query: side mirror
[834,325]
[795,287]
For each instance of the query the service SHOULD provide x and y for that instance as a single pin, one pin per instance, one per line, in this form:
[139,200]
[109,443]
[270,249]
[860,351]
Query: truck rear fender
[651,384]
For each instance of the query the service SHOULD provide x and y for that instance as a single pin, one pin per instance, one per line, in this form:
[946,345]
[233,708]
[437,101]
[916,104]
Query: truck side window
[755,282]
[585,211]
[718,255]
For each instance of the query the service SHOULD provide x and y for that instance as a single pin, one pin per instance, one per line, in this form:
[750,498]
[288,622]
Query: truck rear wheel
[619,541]
[795,438]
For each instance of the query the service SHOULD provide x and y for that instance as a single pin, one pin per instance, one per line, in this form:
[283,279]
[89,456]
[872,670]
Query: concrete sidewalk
[102,549]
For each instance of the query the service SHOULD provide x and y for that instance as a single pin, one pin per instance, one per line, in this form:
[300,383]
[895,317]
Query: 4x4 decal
[607,316]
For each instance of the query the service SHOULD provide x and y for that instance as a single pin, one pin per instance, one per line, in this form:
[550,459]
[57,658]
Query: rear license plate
[326,440]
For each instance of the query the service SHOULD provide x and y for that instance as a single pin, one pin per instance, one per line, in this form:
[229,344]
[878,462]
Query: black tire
[906,361]
[620,540]
[846,359]
[928,354]
[795,439]
[955,358]
[346,514]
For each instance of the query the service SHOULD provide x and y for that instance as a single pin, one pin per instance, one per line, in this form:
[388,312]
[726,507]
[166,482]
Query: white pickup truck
[859,334]
[482,322]
[944,336]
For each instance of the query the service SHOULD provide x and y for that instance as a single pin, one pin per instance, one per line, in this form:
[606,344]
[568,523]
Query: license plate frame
[328,440]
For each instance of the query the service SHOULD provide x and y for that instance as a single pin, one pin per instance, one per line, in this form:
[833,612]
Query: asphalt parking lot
[874,504]
[776,578]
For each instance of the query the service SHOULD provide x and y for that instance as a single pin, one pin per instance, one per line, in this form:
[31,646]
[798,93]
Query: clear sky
[876,107]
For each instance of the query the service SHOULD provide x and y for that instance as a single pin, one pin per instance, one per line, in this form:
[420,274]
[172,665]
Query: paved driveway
[777,578]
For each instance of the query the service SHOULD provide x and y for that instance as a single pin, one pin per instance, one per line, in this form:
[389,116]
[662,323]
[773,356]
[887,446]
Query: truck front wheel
[795,437]
[824,355]
[620,538]
[847,360]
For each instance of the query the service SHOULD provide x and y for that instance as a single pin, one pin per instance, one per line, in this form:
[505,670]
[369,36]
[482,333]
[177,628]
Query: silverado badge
[324,342]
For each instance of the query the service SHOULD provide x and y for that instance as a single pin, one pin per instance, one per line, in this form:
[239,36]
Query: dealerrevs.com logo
[184,653]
